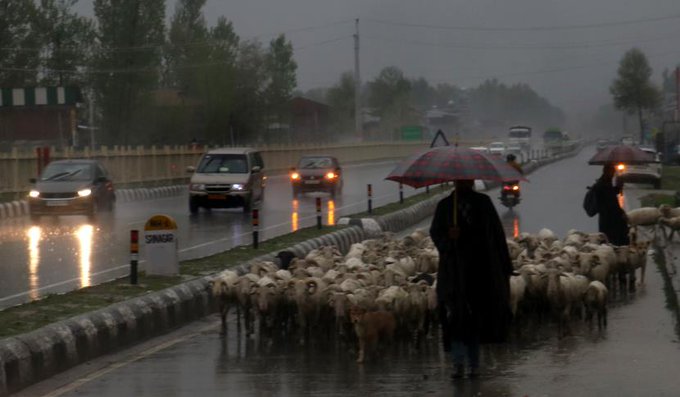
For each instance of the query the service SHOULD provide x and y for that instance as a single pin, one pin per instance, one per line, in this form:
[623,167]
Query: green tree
[187,46]
[633,91]
[247,116]
[19,43]
[389,96]
[66,41]
[340,98]
[281,78]
[127,64]
[217,81]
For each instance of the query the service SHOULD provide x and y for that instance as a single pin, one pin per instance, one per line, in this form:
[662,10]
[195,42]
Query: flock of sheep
[313,295]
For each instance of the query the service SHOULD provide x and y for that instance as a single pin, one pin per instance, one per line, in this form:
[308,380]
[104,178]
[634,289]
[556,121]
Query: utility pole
[677,93]
[90,121]
[358,117]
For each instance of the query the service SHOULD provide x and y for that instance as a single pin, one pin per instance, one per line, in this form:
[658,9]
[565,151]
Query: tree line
[154,82]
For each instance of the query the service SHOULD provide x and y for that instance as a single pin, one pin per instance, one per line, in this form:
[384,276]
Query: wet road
[636,356]
[66,253]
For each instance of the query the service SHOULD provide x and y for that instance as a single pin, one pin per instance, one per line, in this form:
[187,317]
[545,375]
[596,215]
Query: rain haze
[568,51]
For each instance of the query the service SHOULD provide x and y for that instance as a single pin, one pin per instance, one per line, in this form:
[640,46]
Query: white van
[227,178]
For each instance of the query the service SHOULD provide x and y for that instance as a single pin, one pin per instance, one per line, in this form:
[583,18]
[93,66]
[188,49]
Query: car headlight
[197,186]
[237,186]
[34,194]
[84,192]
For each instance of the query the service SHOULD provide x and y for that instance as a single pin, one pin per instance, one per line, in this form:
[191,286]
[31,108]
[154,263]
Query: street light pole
[91,120]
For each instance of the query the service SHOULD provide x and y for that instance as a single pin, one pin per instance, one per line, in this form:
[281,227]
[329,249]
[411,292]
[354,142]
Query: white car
[497,148]
[643,173]
[482,149]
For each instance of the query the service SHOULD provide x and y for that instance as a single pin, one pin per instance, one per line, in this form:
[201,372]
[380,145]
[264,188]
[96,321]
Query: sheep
[562,292]
[547,236]
[356,251]
[269,299]
[595,300]
[645,216]
[672,223]
[245,287]
[223,288]
[669,212]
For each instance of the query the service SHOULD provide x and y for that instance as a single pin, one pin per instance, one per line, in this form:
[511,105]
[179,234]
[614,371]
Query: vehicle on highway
[642,173]
[603,143]
[482,149]
[71,187]
[510,194]
[497,148]
[227,178]
[318,173]
[520,135]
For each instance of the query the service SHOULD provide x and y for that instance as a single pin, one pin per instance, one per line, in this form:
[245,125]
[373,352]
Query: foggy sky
[572,67]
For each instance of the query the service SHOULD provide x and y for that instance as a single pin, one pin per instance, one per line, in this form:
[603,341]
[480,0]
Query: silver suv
[227,178]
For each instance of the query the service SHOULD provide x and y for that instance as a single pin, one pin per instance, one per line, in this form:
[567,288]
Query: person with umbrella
[473,289]
[473,278]
[612,220]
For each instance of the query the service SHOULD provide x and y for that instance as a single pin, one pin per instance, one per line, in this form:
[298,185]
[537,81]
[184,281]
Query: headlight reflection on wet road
[294,216]
[331,212]
[34,235]
[84,235]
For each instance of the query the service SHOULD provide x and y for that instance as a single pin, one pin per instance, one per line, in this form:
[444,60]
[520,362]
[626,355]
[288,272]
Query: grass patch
[670,177]
[656,199]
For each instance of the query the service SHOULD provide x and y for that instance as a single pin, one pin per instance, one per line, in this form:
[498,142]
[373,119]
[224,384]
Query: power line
[527,28]
[556,46]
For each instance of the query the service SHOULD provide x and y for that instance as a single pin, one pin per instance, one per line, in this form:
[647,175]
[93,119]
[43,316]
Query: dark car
[317,174]
[71,187]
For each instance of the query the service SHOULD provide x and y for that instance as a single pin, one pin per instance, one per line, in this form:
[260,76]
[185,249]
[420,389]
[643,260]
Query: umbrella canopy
[621,154]
[450,163]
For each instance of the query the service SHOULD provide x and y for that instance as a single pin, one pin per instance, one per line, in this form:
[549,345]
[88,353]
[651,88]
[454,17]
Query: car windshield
[67,172]
[223,164]
[315,162]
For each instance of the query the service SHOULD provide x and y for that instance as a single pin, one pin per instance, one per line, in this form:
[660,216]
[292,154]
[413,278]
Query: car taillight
[331,175]
[507,187]
[294,176]
[515,188]
[621,167]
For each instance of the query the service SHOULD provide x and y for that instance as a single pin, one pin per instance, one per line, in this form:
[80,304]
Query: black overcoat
[474,270]
[612,219]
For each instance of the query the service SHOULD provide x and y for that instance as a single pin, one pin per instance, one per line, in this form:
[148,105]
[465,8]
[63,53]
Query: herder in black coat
[612,219]
[473,288]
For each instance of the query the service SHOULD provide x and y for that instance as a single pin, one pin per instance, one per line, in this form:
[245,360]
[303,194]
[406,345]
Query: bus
[520,135]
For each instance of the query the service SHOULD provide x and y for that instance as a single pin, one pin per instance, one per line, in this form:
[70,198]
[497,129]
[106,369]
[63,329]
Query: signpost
[160,246]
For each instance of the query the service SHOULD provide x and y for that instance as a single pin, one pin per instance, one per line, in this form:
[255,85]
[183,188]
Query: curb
[29,358]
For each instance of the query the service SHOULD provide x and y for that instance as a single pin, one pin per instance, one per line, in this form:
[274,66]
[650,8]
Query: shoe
[459,372]
[474,373]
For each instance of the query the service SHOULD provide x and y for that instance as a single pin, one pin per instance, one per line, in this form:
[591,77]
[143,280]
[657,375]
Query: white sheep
[672,223]
[223,288]
[669,212]
[595,300]
[645,216]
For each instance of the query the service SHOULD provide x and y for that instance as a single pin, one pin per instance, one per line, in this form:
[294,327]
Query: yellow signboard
[160,222]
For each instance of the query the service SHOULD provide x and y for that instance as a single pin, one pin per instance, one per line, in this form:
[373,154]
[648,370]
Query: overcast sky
[569,51]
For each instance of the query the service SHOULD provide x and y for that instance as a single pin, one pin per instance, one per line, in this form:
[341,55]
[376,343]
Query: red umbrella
[621,154]
[450,163]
